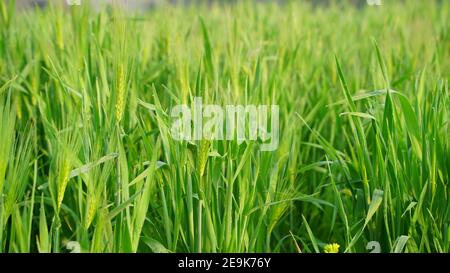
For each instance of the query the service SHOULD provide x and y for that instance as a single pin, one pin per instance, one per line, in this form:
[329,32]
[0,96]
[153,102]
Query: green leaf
[155,246]
[43,241]
[311,235]
[377,197]
[357,114]
[400,244]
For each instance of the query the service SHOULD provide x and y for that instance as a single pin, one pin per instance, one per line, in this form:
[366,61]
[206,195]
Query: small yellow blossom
[332,248]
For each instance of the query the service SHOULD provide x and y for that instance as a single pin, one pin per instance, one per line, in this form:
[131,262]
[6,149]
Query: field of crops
[88,162]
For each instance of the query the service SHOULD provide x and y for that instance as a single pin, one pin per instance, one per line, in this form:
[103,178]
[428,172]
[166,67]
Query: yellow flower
[331,248]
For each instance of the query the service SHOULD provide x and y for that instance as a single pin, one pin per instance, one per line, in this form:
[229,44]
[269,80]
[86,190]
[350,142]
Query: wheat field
[88,162]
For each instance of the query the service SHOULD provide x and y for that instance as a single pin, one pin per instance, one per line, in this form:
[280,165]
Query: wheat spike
[4,13]
[18,105]
[91,211]
[120,93]
[59,34]
[203,156]
[63,179]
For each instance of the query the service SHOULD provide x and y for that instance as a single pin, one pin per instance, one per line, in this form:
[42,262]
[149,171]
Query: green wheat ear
[59,34]
[203,156]
[91,210]
[63,180]
[4,13]
[120,100]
